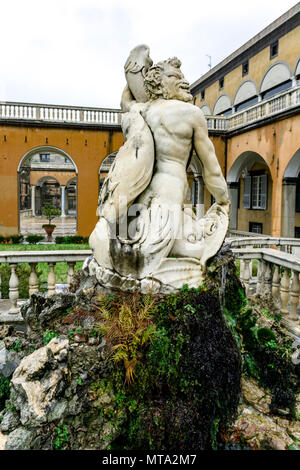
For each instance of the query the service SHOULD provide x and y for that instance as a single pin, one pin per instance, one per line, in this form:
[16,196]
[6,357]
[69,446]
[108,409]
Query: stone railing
[277,104]
[290,245]
[239,234]
[277,276]
[13,258]
[59,114]
[78,115]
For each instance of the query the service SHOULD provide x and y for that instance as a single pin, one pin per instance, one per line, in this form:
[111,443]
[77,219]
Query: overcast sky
[73,51]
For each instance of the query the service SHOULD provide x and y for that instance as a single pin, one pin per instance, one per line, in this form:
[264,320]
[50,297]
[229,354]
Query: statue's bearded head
[165,80]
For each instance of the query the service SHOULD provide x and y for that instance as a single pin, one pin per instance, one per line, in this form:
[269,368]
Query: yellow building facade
[256,93]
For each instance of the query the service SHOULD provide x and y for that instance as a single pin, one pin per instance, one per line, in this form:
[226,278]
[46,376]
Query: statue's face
[174,85]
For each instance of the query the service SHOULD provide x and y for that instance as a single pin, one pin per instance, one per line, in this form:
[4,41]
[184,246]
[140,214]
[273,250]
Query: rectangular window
[255,192]
[45,157]
[202,94]
[255,227]
[274,49]
[245,68]
[297,232]
[221,83]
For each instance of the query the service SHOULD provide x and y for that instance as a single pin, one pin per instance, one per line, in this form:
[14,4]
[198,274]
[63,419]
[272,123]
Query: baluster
[260,277]
[33,280]
[14,290]
[242,265]
[268,279]
[284,292]
[246,275]
[276,284]
[51,280]
[295,296]
[70,272]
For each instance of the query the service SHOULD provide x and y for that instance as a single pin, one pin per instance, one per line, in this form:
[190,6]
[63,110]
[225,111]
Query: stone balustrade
[277,104]
[59,114]
[277,276]
[289,245]
[13,258]
[77,115]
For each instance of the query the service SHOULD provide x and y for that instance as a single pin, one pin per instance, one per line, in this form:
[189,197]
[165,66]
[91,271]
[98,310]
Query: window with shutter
[255,192]
[247,192]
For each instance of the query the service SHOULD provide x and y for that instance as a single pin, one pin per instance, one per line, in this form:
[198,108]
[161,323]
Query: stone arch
[105,167]
[242,164]
[45,149]
[245,91]
[43,179]
[222,104]
[206,110]
[36,177]
[276,74]
[293,167]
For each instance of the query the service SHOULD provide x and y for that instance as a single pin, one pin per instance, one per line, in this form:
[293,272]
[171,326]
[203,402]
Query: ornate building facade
[254,98]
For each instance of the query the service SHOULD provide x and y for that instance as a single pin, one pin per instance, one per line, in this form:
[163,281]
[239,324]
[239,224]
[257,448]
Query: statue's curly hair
[152,82]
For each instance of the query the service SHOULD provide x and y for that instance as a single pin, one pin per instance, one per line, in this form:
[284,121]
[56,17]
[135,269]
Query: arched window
[276,79]
[246,95]
[222,106]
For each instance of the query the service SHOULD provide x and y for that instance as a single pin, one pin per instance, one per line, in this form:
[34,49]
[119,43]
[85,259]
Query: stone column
[233,189]
[200,196]
[63,213]
[33,200]
[288,207]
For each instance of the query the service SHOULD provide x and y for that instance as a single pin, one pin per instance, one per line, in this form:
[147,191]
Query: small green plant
[127,326]
[33,239]
[48,336]
[4,391]
[62,439]
[51,212]
[72,333]
[16,239]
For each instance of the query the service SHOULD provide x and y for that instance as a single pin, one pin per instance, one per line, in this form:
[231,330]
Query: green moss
[4,391]
[187,380]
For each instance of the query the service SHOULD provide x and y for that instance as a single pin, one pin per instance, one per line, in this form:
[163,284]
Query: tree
[51,212]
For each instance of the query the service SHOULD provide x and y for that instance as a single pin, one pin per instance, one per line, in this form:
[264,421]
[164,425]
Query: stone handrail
[13,258]
[240,233]
[283,101]
[78,115]
[59,114]
[277,276]
[265,241]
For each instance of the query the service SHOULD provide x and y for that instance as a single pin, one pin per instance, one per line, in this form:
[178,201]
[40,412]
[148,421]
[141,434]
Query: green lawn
[23,269]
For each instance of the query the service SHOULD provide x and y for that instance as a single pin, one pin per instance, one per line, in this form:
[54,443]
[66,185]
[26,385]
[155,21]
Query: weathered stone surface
[40,311]
[259,432]
[38,382]
[20,439]
[256,396]
[3,439]
[9,361]
[9,422]
[5,330]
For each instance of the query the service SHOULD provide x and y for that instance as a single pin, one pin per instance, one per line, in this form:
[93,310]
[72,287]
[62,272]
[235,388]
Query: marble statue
[146,238]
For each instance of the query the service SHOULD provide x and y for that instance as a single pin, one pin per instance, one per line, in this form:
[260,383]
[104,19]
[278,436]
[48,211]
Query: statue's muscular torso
[171,123]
